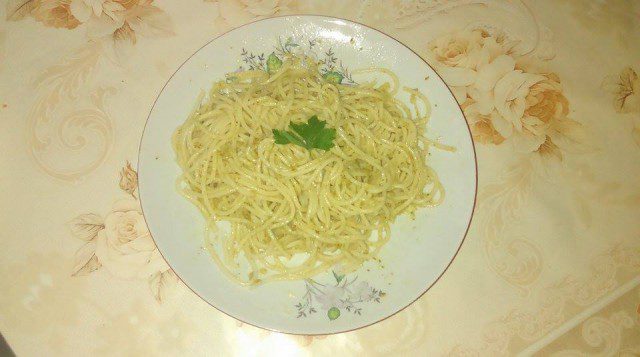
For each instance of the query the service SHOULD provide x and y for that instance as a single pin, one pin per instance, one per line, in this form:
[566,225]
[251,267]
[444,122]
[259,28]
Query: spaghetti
[295,212]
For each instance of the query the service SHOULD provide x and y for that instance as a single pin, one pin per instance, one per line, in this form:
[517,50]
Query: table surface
[552,260]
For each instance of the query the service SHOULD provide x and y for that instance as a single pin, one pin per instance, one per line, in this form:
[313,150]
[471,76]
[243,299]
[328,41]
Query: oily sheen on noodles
[295,212]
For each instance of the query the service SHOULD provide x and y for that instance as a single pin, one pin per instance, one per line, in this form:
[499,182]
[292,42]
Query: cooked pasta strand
[296,212]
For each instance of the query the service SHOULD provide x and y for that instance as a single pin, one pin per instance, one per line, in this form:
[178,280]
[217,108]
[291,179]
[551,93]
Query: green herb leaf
[273,63]
[337,277]
[312,135]
[333,77]
[333,313]
[284,137]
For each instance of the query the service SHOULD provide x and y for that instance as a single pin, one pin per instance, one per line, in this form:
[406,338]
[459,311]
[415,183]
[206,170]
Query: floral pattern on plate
[331,67]
[337,296]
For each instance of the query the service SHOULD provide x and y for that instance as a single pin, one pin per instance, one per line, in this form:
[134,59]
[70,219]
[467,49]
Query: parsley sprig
[310,135]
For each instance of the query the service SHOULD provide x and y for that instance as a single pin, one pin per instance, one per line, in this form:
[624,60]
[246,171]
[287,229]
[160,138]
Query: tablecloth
[551,264]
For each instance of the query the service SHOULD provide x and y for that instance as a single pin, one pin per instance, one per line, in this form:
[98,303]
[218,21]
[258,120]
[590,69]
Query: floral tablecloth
[551,264]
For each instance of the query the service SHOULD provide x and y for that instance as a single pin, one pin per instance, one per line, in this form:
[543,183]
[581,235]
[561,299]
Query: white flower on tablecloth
[459,56]
[121,242]
[505,96]
[83,9]
[103,17]
[123,21]
[510,100]
[125,247]
[459,50]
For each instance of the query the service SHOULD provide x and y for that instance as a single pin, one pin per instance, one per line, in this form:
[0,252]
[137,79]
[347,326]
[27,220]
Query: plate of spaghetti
[307,174]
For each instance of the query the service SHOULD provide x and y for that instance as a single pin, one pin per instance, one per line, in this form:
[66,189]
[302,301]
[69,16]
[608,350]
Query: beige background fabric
[551,265]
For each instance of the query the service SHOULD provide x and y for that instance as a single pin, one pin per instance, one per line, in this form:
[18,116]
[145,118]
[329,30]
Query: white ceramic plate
[420,250]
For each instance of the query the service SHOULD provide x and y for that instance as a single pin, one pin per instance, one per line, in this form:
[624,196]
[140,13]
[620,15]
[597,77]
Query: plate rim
[427,288]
